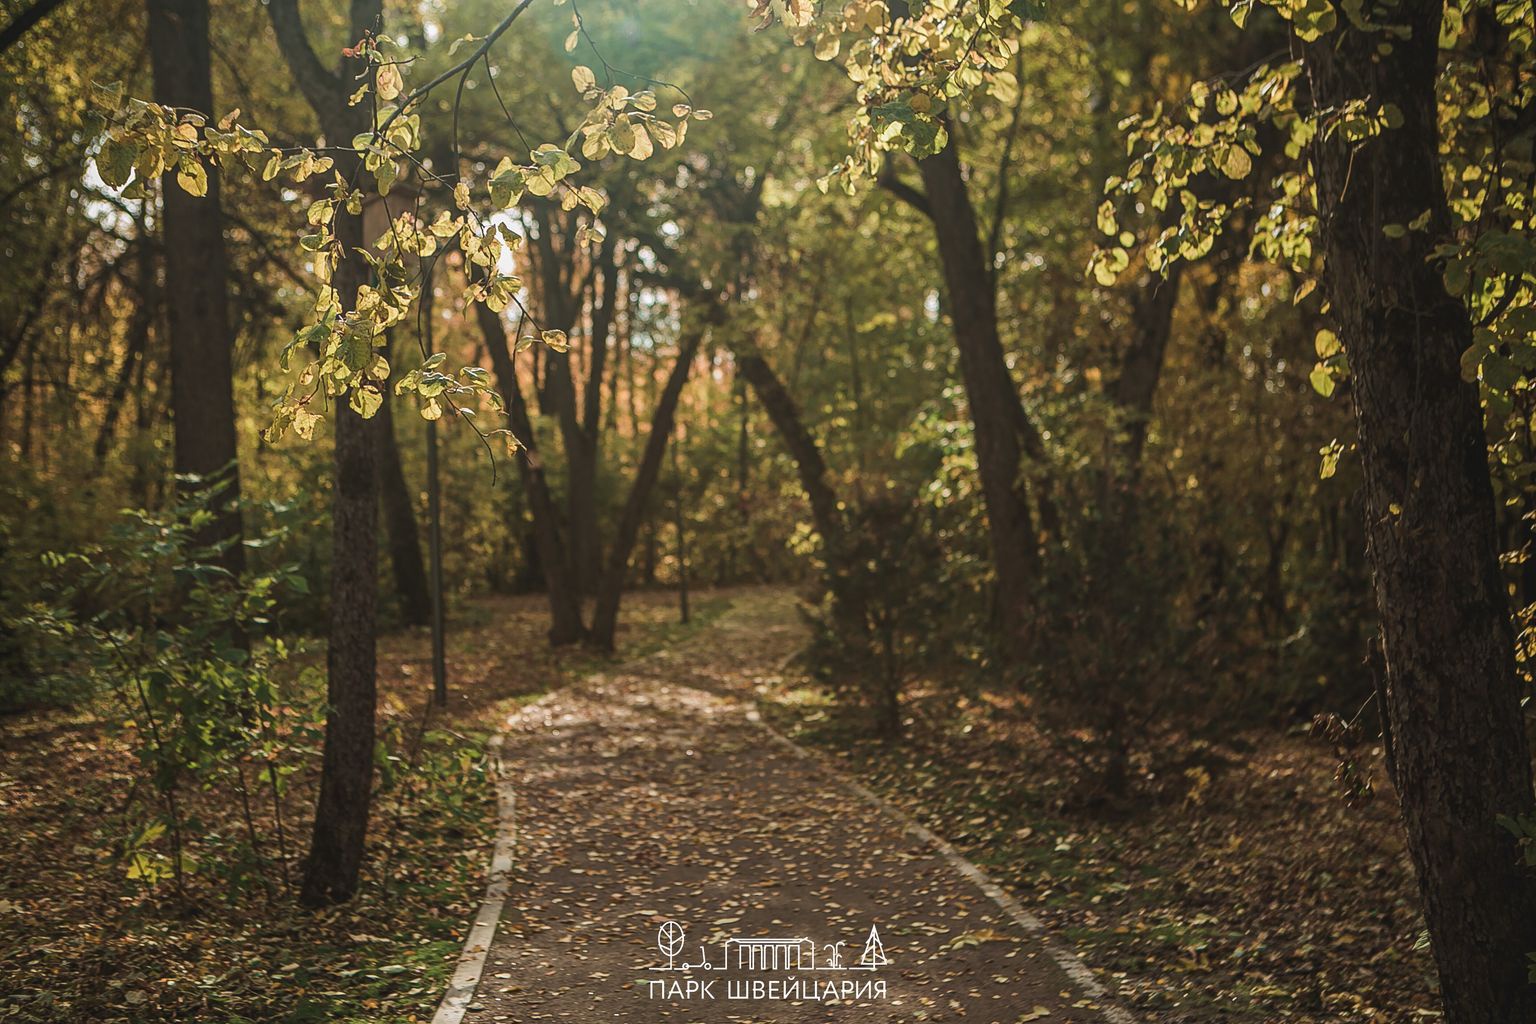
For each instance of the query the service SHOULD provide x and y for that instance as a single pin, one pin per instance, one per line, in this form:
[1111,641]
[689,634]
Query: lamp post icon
[669,939]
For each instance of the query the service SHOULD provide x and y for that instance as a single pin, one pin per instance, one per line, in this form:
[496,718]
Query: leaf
[1236,163]
[388,82]
[1327,344]
[583,78]
[556,340]
[1322,380]
[191,176]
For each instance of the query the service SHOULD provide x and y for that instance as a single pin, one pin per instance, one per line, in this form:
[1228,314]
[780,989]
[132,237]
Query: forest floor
[1234,883]
[650,794]
[81,942]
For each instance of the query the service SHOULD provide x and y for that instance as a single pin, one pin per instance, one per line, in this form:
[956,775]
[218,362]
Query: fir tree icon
[874,951]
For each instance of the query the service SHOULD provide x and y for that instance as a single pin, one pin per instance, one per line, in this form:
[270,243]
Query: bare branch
[23,22]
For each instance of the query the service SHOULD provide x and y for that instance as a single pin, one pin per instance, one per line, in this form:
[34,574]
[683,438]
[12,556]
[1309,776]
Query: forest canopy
[1128,405]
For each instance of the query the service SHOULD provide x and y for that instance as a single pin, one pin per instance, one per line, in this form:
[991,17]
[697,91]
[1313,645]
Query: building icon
[771,954]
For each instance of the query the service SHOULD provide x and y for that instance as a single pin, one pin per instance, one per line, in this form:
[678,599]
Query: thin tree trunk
[564,600]
[1459,753]
[337,843]
[1141,364]
[196,283]
[610,591]
[138,342]
[1004,434]
[400,525]
[849,609]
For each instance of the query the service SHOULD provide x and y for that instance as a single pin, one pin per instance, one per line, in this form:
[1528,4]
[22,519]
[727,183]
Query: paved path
[648,795]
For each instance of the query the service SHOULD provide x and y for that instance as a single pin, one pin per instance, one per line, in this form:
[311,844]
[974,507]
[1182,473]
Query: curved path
[651,794]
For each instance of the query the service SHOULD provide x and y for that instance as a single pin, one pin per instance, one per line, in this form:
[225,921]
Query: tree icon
[874,951]
[669,939]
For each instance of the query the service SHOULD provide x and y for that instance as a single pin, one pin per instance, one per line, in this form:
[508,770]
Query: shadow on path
[648,795]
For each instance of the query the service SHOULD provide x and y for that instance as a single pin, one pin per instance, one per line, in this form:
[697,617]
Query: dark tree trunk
[196,282]
[583,436]
[1459,753]
[1141,364]
[564,601]
[411,588]
[605,619]
[803,448]
[849,607]
[334,864]
[138,343]
[1004,433]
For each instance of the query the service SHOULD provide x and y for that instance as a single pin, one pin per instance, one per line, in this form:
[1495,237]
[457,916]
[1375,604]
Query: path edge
[1071,963]
[477,944]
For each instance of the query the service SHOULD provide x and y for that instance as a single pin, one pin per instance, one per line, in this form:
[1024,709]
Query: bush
[147,621]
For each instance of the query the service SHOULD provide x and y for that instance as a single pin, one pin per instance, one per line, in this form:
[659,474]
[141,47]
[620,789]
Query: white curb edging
[477,944]
[1070,963]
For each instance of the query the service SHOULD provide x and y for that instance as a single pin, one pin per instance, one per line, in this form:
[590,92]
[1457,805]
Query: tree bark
[810,466]
[137,343]
[337,843]
[1003,431]
[1459,755]
[196,283]
[849,609]
[565,625]
[1141,364]
[400,525]
[609,592]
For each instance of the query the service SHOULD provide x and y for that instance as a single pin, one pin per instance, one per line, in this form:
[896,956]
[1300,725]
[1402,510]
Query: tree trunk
[138,342]
[404,533]
[1141,364]
[196,281]
[564,601]
[848,605]
[1003,431]
[605,619]
[1460,754]
[803,448]
[335,860]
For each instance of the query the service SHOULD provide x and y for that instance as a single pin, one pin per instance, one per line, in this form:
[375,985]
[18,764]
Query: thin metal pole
[682,536]
[435,542]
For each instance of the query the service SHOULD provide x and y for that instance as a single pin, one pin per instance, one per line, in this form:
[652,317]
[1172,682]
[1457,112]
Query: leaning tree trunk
[1459,750]
[411,585]
[1003,431]
[196,279]
[849,607]
[605,619]
[565,625]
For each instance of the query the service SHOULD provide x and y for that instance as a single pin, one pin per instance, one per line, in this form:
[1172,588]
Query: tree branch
[23,22]
[906,193]
[321,87]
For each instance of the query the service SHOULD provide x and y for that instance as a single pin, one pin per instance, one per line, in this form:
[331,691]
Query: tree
[411,587]
[196,278]
[1458,751]
[1364,106]
[1005,433]
[346,781]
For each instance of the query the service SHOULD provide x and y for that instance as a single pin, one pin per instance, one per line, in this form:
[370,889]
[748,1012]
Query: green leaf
[365,402]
